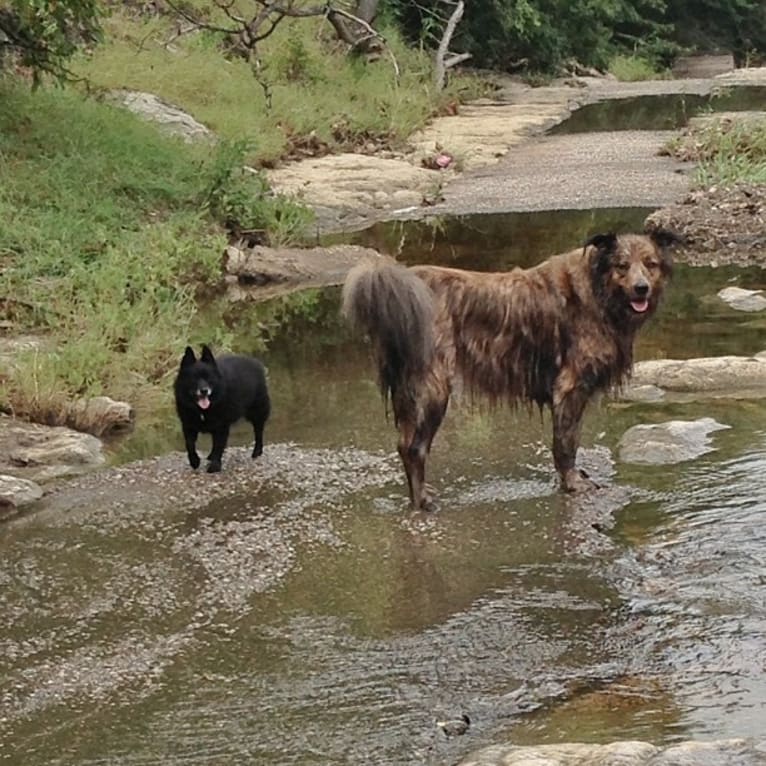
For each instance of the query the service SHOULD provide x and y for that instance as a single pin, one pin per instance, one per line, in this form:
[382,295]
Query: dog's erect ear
[188,357]
[606,246]
[602,242]
[207,356]
[665,238]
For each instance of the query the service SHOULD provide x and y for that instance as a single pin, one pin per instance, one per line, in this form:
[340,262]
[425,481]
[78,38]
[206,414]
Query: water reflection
[665,112]
[493,242]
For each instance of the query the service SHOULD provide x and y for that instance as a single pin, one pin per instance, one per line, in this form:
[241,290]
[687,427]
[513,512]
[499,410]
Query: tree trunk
[441,63]
[367,10]
[355,34]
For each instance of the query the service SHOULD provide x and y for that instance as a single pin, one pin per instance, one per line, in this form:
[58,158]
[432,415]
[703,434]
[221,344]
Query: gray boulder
[263,272]
[101,416]
[743,300]
[716,376]
[670,442]
[15,493]
[170,118]
[41,453]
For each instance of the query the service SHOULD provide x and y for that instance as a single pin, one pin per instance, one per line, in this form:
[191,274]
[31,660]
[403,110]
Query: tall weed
[726,151]
[634,68]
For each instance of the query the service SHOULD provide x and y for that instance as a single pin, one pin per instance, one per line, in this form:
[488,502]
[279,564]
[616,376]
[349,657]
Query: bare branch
[455,59]
[199,23]
[256,67]
[440,69]
[244,34]
[226,8]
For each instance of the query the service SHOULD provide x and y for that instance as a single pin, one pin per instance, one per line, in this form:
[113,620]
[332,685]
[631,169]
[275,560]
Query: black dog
[211,395]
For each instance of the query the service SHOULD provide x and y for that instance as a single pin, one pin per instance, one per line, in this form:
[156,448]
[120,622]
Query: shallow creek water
[665,112]
[305,616]
[293,611]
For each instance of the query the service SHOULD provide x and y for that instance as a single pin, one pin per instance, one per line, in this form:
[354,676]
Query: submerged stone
[670,442]
[705,376]
[743,300]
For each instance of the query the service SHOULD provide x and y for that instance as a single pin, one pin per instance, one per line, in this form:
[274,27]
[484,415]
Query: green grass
[107,232]
[110,230]
[726,151]
[733,155]
[315,87]
[634,68]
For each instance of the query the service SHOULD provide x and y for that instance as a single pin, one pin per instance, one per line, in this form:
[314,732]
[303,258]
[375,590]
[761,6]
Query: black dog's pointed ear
[604,243]
[188,357]
[207,356]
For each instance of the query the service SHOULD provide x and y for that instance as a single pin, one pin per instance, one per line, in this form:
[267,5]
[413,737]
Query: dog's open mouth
[639,305]
[203,402]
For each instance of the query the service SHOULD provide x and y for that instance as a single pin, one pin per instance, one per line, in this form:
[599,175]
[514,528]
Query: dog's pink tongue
[640,305]
[203,402]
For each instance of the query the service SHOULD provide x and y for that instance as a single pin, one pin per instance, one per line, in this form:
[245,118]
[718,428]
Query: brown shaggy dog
[553,334]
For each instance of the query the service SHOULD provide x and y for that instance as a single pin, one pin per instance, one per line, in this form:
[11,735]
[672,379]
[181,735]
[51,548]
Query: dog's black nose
[641,288]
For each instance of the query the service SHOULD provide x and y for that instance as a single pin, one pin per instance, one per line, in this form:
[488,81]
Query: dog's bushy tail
[396,309]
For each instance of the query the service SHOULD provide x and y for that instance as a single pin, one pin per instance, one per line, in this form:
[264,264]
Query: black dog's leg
[568,408]
[220,438]
[258,429]
[190,439]
[258,419]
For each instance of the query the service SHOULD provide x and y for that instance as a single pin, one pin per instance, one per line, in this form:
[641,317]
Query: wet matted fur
[553,334]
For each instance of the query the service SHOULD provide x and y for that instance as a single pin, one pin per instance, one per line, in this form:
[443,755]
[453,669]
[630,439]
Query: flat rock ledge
[261,272]
[40,453]
[734,752]
[704,377]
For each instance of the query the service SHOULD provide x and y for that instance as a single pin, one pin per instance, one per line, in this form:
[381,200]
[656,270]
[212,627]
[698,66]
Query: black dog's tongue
[203,402]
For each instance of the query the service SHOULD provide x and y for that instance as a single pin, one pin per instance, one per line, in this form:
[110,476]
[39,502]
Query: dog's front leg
[190,439]
[220,437]
[568,408]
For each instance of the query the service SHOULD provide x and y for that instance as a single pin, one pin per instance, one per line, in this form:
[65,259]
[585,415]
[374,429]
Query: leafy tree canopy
[544,34]
[43,34]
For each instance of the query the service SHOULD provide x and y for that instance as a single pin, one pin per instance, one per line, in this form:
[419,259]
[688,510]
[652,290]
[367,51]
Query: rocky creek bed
[198,609]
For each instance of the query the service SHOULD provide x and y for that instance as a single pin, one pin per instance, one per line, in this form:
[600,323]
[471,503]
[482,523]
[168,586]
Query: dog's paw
[194,461]
[214,466]
[578,481]
[429,505]
[427,501]
[257,452]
